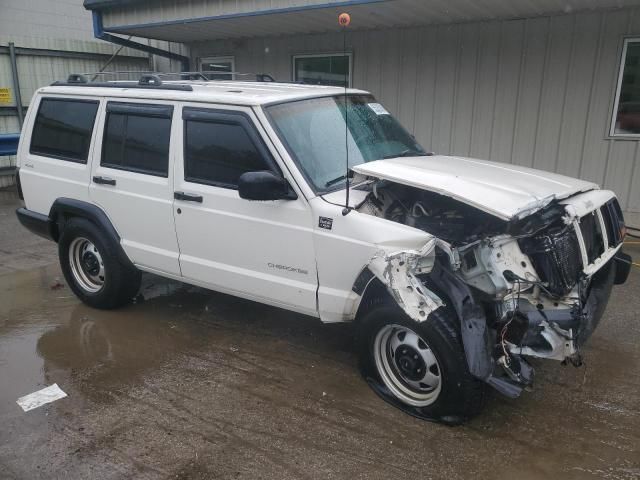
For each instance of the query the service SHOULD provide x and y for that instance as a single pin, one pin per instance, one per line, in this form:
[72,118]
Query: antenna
[345,20]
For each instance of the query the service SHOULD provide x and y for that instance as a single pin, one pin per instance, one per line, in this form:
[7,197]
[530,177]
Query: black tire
[459,397]
[120,282]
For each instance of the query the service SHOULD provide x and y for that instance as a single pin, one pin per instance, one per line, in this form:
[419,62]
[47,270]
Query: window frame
[221,116]
[322,55]
[220,58]
[616,99]
[84,161]
[146,110]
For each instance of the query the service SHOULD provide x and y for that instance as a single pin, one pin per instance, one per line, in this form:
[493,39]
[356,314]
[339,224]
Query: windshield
[314,133]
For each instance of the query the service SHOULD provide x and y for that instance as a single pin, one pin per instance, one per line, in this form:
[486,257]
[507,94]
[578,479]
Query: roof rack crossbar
[77,78]
[127,84]
[118,72]
[152,79]
[190,75]
[260,77]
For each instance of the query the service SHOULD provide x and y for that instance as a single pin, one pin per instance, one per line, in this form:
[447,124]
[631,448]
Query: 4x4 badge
[325,223]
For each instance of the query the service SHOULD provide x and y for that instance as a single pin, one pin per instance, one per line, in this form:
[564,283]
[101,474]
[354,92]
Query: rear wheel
[420,368]
[92,267]
[86,265]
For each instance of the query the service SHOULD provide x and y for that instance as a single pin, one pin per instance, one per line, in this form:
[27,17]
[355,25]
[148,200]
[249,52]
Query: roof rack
[152,80]
[146,81]
[260,77]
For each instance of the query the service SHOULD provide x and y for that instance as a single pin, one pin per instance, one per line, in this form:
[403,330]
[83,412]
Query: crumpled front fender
[397,271]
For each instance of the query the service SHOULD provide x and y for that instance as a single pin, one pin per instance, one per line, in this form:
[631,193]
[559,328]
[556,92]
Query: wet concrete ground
[194,384]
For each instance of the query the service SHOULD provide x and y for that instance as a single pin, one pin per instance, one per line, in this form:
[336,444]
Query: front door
[258,250]
[132,182]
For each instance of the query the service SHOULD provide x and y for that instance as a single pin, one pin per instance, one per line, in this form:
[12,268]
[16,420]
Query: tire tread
[470,394]
[123,281]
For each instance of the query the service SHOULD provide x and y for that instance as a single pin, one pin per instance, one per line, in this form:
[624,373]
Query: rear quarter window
[63,128]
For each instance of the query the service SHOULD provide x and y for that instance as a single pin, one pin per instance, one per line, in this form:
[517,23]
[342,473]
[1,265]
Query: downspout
[16,83]
[98,32]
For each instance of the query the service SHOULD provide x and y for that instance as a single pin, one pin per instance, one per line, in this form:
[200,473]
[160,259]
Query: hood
[503,190]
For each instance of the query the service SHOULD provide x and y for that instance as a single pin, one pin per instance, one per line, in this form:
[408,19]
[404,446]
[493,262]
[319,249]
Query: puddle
[191,382]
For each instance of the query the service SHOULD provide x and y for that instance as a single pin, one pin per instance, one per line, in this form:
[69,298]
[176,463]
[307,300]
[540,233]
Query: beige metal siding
[61,25]
[38,71]
[45,18]
[535,92]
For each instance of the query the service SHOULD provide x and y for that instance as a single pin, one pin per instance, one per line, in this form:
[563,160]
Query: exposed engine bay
[443,217]
[533,286]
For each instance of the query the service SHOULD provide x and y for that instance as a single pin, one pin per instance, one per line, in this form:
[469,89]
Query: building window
[626,112]
[328,69]
[210,66]
[63,129]
[136,138]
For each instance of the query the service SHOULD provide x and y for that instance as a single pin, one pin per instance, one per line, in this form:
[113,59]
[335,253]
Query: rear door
[258,250]
[132,181]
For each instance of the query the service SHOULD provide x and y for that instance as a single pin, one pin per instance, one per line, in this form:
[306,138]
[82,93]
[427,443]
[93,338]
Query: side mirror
[264,185]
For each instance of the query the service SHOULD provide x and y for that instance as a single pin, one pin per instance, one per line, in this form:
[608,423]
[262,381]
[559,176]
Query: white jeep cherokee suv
[454,270]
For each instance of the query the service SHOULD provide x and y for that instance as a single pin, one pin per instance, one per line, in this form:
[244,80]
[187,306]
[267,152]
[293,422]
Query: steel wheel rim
[86,265]
[407,365]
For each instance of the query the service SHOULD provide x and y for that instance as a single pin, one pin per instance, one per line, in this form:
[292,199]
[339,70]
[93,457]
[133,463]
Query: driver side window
[220,146]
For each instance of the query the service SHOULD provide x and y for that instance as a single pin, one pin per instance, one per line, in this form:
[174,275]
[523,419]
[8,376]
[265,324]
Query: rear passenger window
[136,138]
[63,129]
[219,147]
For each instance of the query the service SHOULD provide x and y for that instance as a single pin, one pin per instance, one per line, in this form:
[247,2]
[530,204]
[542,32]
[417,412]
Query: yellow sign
[5,95]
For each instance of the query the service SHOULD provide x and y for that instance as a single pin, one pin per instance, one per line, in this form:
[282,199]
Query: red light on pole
[344,19]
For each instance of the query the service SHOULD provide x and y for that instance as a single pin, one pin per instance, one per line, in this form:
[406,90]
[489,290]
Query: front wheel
[420,368]
[92,267]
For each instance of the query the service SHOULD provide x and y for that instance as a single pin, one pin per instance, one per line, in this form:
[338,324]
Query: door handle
[104,180]
[187,197]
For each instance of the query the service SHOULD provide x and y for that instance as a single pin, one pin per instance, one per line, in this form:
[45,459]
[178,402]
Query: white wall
[535,92]
[46,19]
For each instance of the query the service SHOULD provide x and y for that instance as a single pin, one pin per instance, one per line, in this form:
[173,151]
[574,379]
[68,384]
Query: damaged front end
[533,286]
[400,272]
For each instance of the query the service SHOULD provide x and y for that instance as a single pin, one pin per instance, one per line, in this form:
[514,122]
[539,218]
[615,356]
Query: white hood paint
[504,190]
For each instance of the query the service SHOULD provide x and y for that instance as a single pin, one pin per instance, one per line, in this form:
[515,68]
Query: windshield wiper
[334,181]
[406,153]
